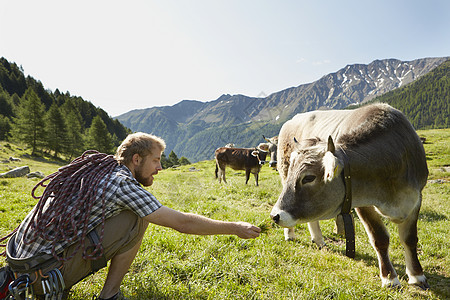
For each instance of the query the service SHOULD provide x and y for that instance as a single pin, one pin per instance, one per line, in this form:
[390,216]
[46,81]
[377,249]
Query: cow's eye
[308,178]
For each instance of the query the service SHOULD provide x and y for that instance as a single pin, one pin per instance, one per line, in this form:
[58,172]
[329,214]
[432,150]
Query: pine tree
[6,106]
[164,161]
[29,125]
[6,111]
[173,159]
[15,99]
[184,161]
[98,137]
[75,130]
[56,129]
[5,127]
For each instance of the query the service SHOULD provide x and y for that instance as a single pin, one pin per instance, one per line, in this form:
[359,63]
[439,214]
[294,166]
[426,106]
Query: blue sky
[125,55]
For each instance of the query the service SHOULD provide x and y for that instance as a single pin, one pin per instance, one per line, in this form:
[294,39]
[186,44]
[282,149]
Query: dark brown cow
[248,159]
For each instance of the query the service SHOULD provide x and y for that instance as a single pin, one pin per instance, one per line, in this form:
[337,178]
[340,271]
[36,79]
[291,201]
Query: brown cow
[248,159]
[388,170]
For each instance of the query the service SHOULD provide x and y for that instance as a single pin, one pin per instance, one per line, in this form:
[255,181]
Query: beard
[145,181]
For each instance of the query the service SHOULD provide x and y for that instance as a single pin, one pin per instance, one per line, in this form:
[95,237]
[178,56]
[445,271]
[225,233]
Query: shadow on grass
[431,216]
[439,284]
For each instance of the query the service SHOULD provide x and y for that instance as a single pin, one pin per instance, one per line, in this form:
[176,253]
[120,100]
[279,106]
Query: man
[95,210]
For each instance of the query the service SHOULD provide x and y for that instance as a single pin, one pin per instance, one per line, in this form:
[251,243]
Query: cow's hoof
[321,243]
[289,234]
[290,237]
[321,246]
[391,283]
[424,285]
[419,281]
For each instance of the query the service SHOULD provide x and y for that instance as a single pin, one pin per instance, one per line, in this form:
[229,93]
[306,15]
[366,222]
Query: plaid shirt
[122,192]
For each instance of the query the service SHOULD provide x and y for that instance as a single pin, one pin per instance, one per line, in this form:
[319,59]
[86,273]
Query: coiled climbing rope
[77,182]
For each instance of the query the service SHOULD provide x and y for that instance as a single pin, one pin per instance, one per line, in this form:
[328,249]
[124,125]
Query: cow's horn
[331,146]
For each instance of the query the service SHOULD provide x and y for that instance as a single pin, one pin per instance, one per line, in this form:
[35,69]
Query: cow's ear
[330,146]
[255,153]
[263,147]
[295,145]
[330,166]
[330,162]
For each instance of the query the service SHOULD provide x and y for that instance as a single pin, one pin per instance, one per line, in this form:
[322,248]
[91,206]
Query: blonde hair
[138,143]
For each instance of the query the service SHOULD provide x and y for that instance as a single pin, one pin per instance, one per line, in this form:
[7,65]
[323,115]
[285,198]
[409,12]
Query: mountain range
[194,129]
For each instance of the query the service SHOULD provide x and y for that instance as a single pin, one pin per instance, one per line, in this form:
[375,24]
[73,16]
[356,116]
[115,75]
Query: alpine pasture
[171,265]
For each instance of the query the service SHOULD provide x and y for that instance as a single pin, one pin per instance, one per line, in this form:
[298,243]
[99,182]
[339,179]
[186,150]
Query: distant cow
[248,159]
[388,172]
[271,147]
[229,145]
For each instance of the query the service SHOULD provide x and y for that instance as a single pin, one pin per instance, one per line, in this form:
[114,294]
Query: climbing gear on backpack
[21,288]
[53,285]
[52,282]
[31,271]
[6,277]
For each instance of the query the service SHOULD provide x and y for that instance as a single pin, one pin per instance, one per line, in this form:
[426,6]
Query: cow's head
[271,147]
[313,190]
[260,154]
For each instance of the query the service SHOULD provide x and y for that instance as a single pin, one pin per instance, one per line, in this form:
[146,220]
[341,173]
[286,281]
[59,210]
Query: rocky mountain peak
[353,84]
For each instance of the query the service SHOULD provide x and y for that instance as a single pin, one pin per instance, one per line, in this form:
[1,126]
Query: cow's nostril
[276,218]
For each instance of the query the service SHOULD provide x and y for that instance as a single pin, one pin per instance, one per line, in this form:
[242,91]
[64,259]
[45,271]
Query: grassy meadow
[171,265]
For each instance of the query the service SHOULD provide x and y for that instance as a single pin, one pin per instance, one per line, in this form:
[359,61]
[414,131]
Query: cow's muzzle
[273,163]
[282,218]
[275,218]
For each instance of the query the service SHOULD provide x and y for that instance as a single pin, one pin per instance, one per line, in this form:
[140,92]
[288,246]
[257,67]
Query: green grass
[171,265]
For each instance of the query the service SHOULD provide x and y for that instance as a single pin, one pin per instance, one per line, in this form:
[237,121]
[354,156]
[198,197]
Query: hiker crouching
[95,210]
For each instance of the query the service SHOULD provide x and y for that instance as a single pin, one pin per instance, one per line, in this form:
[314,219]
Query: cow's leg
[408,236]
[247,176]
[219,175]
[289,234]
[339,227]
[316,234]
[256,178]
[223,175]
[379,238]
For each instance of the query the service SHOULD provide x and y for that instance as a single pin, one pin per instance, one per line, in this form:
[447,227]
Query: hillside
[243,120]
[13,85]
[427,101]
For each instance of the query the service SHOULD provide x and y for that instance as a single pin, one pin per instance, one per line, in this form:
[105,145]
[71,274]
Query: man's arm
[196,224]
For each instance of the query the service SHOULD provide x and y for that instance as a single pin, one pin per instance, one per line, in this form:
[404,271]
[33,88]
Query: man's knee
[120,234]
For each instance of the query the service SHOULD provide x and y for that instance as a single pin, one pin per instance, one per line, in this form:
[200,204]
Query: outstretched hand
[197,224]
[247,231]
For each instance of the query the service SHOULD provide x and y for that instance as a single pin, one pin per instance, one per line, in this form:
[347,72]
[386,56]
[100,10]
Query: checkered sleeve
[134,197]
